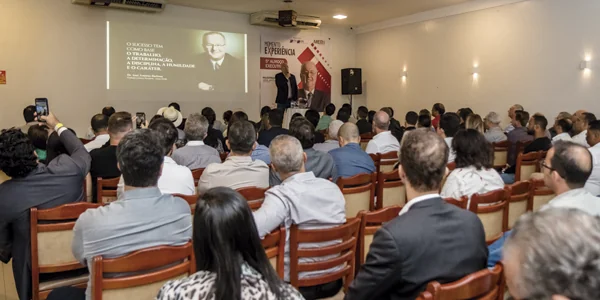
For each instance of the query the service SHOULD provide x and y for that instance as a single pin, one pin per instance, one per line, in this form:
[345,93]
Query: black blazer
[282,88]
[319,100]
[229,78]
[434,240]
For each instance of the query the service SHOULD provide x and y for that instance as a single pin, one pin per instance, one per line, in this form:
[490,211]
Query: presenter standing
[287,87]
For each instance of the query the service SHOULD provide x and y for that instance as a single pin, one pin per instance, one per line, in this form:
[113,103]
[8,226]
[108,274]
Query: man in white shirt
[332,137]
[100,128]
[195,154]
[174,179]
[301,199]
[239,170]
[449,126]
[580,126]
[593,138]
[566,169]
[511,115]
[383,141]
[562,128]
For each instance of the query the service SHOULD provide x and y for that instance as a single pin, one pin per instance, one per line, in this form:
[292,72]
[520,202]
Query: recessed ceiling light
[340,17]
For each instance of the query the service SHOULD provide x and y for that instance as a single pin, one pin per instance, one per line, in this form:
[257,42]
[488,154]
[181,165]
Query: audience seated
[313,117]
[580,127]
[344,114]
[34,185]
[463,114]
[474,173]
[176,106]
[562,128]
[424,121]
[494,133]
[364,126]
[239,170]
[410,121]
[371,116]
[38,135]
[214,136]
[301,199]
[173,114]
[512,114]
[431,240]
[99,125]
[326,118]
[264,117]
[174,179]
[395,127]
[274,128]
[227,120]
[223,230]
[437,111]
[320,163]
[425,112]
[474,121]
[383,141]
[332,137]
[30,118]
[449,126]
[348,107]
[561,116]
[553,254]
[104,160]
[517,134]
[143,217]
[593,138]
[350,159]
[195,154]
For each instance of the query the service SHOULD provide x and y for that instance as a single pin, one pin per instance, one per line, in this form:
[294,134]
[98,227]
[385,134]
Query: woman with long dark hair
[231,262]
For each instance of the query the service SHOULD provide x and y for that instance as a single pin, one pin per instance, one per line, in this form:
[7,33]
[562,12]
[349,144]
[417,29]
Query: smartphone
[140,119]
[41,107]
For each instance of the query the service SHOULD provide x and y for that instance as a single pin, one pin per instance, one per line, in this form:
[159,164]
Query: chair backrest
[527,164]
[483,285]
[390,190]
[197,173]
[190,199]
[388,161]
[150,268]
[370,222]
[254,195]
[359,193]
[540,195]
[461,203]
[274,244]
[376,157]
[520,147]
[492,210]
[501,154]
[343,254]
[519,198]
[365,138]
[106,189]
[224,156]
[52,238]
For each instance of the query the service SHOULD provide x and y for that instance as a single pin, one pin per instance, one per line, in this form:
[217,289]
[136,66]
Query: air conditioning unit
[139,5]
[271,18]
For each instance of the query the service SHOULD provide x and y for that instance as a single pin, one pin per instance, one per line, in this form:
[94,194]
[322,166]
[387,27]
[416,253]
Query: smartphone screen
[140,119]
[41,107]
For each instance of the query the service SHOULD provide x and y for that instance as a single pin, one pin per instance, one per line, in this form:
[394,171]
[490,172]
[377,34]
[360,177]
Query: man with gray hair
[195,154]
[383,141]
[301,199]
[494,133]
[511,115]
[554,254]
[332,137]
[350,159]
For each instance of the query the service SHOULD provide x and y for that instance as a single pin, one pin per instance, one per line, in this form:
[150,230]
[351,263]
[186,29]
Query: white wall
[529,53]
[57,50]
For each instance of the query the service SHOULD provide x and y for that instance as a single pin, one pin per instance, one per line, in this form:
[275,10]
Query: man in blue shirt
[350,159]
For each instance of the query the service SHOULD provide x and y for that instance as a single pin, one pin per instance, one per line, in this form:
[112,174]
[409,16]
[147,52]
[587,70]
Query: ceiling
[359,12]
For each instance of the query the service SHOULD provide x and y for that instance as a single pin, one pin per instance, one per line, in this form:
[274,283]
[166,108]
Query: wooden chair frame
[518,192]
[197,173]
[348,233]
[529,159]
[538,188]
[101,192]
[67,214]
[274,244]
[140,261]
[501,147]
[387,159]
[386,181]
[359,184]
[461,203]
[190,199]
[376,157]
[370,222]
[486,284]
[254,195]
[497,201]
[224,156]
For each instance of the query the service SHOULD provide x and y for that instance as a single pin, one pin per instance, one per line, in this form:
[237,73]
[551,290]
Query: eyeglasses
[544,165]
[215,46]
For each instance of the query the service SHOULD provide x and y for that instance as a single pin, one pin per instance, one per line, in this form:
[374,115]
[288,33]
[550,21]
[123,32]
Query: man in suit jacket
[35,185]
[314,98]
[287,87]
[218,70]
[430,240]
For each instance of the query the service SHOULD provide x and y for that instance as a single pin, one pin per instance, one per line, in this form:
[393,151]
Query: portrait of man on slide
[315,99]
[217,69]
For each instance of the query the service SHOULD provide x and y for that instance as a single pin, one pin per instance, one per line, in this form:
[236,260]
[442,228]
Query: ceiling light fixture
[340,17]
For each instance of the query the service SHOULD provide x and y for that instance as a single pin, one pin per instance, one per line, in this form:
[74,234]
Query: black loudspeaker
[351,81]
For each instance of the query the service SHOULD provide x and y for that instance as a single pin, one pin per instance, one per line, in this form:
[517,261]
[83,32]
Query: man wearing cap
[172,114]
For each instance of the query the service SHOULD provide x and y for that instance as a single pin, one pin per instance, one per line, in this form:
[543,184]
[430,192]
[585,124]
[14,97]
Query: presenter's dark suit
[432,241]
[230,76]
[283,90]
[319,100]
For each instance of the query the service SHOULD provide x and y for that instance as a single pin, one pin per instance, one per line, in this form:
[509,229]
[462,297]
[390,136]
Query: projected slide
[153,57]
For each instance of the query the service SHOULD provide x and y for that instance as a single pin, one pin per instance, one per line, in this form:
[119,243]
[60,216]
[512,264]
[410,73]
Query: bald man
[566,169]
[383,141]
[315,99]
[216,69]
[350,159]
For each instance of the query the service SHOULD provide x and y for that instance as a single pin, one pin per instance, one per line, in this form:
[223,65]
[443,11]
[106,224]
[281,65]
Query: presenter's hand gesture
[205,87]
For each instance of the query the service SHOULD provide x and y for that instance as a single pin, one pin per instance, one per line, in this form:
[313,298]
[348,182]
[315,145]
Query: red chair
[461,203]
[390,190]
[519,201]
[197,173]
[527,164]
[190,199]
[359,193]
[106,190]
[486,284]
[376,157]
[274,244]
[254,195]
[370,222]
[388,161]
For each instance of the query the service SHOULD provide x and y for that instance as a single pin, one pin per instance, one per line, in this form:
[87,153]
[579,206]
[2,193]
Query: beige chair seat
[338,296]
[53,284]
